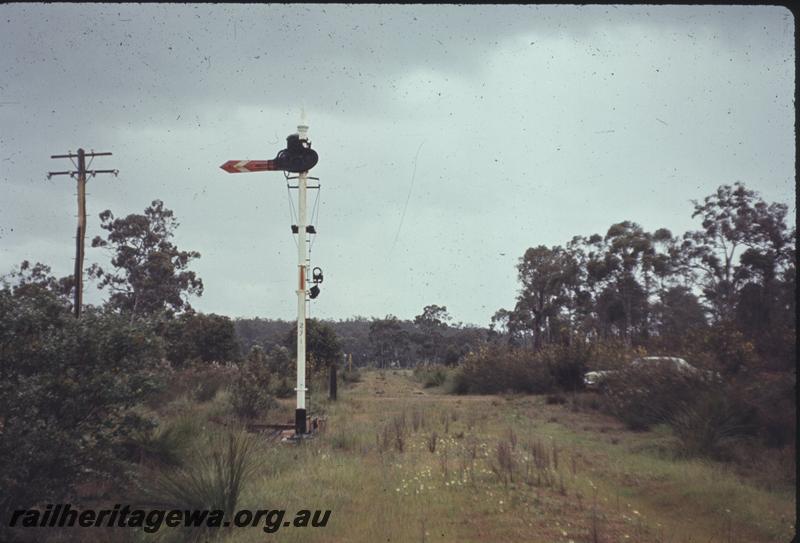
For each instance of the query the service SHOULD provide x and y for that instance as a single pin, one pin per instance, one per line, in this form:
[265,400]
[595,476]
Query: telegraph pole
[80,235]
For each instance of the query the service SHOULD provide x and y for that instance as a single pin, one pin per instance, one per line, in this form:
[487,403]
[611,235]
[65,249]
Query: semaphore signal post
[299,158]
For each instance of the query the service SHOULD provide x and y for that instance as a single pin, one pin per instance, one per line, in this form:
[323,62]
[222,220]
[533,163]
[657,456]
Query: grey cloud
[538,123]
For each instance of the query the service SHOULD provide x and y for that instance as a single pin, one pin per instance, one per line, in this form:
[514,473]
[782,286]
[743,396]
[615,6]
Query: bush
[250,392]
[457,383]
[67,392]
[710,425]
[205,380]
[283,388]
[195,337]
[430,375]
[643,397]
[772,402]
[494,370]
[349,376]
[612,354]
[165,445]
[200,381]
[567,364]
[280,362]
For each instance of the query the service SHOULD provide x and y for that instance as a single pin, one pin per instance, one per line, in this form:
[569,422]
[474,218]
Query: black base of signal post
[300,422]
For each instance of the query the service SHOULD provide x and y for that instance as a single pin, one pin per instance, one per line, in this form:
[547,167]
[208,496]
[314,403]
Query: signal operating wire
[315,216]
[292,213]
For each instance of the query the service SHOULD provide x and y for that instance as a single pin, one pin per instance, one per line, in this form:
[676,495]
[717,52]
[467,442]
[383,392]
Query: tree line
[431,337]
[735,276]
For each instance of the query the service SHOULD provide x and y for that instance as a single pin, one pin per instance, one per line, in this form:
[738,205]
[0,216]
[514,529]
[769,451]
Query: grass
[401,462]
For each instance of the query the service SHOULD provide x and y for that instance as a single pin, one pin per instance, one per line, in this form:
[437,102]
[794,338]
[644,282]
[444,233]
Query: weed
[555,455]
[443,462]
[432,442]
[594,529]
[417,420]
[512,438]
[398,430]
[504,463]
[343,438]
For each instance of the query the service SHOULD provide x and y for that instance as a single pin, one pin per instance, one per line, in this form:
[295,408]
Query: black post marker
[332,386]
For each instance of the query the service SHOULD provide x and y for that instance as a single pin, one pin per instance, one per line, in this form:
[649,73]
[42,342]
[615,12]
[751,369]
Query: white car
[594,380]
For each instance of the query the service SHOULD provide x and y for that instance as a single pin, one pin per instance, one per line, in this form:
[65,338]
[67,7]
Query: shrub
[280,362]
[165,445]
[612,354]
[199,381]
[351,376]
[67,392]
[430,375]
[566,363]
[208,379]
[642,397]
[250,392]
[283,388]
[709,425]
[771,397]
[494,370]
[196,337]
[457,382]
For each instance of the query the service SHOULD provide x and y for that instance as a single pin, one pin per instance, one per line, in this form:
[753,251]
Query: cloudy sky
[451,138]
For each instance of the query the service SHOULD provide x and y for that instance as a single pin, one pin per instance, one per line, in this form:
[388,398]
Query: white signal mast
[298,157]
[302,271]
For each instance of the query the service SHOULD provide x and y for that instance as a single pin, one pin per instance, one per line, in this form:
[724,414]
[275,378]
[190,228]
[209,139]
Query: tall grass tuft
[214,480]
[165,445]
[708,427]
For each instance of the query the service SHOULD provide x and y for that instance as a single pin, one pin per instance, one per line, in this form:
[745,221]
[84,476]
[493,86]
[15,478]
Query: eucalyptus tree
[150,274]
[741,238]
